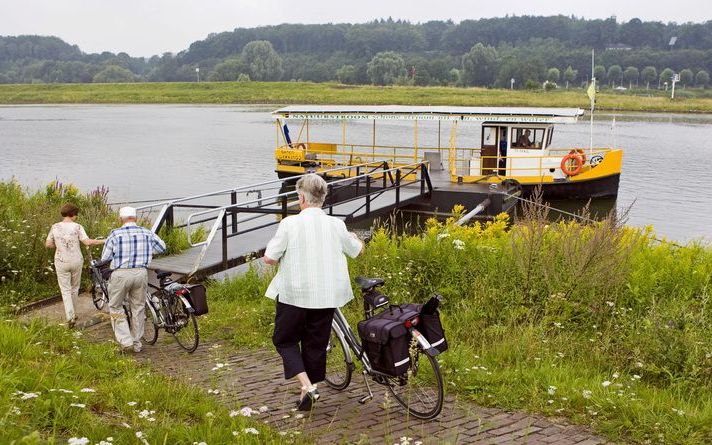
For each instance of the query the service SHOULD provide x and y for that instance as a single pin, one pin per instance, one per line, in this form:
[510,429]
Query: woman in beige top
[65,236]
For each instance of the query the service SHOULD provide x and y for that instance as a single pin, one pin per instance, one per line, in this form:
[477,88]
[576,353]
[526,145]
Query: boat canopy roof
[435,113]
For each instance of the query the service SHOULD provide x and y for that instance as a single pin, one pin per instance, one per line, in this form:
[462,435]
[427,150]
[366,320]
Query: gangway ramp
[240,229]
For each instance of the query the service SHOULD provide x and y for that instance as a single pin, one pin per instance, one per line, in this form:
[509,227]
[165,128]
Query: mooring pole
[368,195]
[233,201]
[398,179]
[224,241]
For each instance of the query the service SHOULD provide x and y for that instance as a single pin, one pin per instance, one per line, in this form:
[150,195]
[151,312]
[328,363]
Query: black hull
[605,187]
[594,188]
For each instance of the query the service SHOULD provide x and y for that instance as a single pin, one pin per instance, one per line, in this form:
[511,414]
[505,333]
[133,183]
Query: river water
[145,152]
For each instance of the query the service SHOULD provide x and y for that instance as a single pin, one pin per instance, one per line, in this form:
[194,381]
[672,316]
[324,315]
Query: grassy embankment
[599,324]
[26,266]
[57,387]
[697,101]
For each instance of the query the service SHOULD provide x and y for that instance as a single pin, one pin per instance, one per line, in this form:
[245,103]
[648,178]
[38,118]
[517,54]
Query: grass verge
[57,388]
[600,324]
[690,101]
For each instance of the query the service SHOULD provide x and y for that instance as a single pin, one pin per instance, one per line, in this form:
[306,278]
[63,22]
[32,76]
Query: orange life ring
[302,146]
[577,158]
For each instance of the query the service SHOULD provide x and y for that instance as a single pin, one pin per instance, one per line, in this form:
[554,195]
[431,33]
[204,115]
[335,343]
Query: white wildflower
[443,235]
[551,390]
[679,412]
[131,403]
[606,384]
[263,409]
[78,405]
[87,390]
[616,375]
[586,394]
[458,244]
[214,391]
[78,441]
[209,414]
[234,413]
[251,430]
[247,411]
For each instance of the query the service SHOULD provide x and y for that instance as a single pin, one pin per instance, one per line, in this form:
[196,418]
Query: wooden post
[368,195]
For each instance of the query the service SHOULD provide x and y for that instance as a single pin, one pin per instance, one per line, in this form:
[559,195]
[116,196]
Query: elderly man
[312,280]
[130,248]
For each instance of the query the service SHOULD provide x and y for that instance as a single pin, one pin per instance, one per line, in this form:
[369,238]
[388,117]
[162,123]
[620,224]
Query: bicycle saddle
[161,274]
[367,284]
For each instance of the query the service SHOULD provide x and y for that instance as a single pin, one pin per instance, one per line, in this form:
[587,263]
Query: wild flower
[679,412]
[78,405]
[586,394]
[87,390]
[218,366]
[27,395]
[214,391]
[251,430]
[78,441]
[131,403]
[247,411]
[263,409]
[551,390]
[458,244]
[606,384]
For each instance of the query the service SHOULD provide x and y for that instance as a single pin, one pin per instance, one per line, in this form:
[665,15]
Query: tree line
[487,52]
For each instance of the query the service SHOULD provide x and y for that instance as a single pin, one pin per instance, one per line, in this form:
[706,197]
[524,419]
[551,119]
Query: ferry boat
[470,144]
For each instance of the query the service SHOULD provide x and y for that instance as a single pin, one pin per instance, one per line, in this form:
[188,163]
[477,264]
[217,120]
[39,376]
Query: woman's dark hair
[69,209]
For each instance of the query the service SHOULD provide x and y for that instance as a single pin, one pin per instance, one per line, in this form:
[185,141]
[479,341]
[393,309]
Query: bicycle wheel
[127,312]
[420,391]
[99,294]
[185,328]
[338,371]
[150,329]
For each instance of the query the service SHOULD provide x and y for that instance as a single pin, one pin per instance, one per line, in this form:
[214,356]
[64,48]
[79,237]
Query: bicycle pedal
[365,398]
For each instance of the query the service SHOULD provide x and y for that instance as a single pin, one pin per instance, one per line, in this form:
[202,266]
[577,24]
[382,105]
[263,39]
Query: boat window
[527,137]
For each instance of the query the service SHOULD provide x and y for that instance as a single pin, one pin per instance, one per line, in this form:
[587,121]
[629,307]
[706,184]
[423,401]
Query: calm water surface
[156,151]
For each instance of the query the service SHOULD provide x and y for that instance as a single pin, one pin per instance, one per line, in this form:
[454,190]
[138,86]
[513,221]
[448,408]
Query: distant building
[618,47]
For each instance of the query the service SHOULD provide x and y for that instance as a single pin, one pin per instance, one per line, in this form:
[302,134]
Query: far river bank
[686,101]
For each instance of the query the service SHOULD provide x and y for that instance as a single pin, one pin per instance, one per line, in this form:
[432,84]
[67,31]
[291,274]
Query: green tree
[686,77]
[631,74]
[666,76]
[385,68]
[702,78]
[347,74]
[599,72]
[479,65]
[114,74]
[648,74]
[262,61]
[570,75]
[553,75]
[227,70]
[614,74]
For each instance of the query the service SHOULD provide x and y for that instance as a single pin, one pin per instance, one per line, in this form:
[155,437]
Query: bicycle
[169,308]
[99,271]
[420,390]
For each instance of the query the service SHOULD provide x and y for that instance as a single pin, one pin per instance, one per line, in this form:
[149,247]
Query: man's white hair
[313,188]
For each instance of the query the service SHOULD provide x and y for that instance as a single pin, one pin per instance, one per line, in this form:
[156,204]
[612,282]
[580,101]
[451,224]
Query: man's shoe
[137,347]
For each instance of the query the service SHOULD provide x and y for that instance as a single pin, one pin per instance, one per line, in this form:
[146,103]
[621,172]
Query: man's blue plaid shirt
[131,246]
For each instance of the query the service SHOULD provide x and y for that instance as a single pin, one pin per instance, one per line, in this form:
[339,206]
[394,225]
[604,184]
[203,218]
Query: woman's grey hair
[313,188]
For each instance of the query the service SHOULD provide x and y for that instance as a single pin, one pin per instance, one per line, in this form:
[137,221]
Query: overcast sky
[148,27]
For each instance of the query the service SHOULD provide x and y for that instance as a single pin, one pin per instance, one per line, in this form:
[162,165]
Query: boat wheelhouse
[470,144]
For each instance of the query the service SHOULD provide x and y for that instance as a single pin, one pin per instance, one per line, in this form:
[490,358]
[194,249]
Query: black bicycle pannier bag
[430,326]
[198,298]
[386,343]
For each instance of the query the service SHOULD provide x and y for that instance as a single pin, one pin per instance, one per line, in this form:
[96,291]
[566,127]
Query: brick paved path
[254,379]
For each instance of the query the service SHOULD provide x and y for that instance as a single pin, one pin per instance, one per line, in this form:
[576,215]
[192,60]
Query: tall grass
[596,322]
[331,93]
[55,387]
[26,266]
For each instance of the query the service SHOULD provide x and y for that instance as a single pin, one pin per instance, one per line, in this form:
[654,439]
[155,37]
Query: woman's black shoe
[308,401]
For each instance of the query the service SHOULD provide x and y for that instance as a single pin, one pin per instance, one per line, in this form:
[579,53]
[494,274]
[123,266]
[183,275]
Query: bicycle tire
[127,312]
[100,299]
[150,329]
[336,377]
[191,322]
[405,397]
